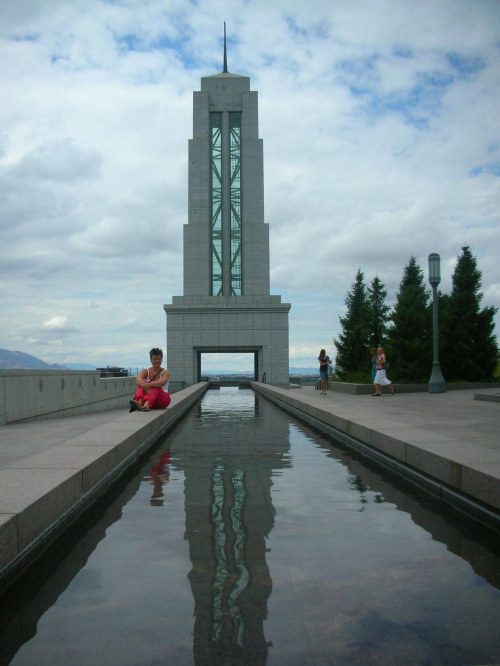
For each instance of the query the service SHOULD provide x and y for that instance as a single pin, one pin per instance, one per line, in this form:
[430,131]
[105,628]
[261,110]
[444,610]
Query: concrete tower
[227,306]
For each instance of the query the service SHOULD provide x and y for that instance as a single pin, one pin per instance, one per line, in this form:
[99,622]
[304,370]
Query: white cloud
[380,128]
[59,324]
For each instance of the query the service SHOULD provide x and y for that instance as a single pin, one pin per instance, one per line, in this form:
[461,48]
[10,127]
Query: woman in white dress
[380,377]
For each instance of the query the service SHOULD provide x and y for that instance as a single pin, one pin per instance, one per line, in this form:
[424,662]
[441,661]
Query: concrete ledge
[458,472]
[44,492]
[366,389]
[488,396]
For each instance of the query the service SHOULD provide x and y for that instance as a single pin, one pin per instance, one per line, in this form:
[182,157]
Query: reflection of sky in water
[228,404]
[270,545]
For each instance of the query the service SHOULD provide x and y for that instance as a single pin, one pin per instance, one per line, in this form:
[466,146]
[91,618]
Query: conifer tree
[468,345]
[378,313]
[352,342]
[409,340]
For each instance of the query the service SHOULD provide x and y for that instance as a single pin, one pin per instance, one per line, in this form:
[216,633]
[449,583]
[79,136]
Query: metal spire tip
[224,71]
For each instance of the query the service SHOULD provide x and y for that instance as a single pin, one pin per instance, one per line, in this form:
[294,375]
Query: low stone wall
[42,394]
[365,389]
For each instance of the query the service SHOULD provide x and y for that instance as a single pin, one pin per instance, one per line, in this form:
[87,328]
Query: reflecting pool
[247,537]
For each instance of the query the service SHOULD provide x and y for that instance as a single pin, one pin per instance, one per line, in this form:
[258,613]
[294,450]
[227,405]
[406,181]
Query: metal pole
[436,382]
[435,336]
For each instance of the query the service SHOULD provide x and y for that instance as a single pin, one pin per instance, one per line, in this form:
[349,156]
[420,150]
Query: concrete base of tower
[237,324]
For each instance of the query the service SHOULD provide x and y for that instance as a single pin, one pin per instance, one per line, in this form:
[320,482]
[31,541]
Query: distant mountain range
[15,360]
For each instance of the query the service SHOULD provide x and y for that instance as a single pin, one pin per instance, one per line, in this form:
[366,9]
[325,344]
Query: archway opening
[237,366]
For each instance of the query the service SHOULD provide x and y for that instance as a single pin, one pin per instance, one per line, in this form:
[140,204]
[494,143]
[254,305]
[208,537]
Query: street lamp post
[436,382]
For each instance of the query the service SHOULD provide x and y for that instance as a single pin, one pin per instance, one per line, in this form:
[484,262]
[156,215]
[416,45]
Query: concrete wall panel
[50,393]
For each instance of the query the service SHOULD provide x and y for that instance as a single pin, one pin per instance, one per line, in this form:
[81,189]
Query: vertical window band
[235,202]
[216,202]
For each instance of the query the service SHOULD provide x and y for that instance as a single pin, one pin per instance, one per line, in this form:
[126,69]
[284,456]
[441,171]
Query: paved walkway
[449,437]
[19,440]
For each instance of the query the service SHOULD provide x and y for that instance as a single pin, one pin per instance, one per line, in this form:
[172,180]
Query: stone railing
[28,394]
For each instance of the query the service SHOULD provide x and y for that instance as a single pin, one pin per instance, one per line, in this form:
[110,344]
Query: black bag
[385,366]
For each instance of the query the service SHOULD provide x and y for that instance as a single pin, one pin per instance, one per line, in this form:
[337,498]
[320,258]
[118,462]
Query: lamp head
[434,269]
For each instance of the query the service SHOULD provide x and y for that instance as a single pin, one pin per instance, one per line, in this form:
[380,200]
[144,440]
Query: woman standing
[380,378]
[324,362]
[373,352]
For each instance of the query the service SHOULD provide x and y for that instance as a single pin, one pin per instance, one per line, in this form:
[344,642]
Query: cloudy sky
[380,121]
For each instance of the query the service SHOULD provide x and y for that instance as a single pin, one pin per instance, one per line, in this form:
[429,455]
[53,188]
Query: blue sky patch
[131,43]
[358,66]
[294,28]
[434,80]
[491,169]
[402,52]
[24,38]
[137,44]
[319,30]
[465,67]
[416,105]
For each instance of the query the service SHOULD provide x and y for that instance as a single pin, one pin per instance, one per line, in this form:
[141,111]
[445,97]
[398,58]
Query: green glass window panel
[216,202]
[235,202]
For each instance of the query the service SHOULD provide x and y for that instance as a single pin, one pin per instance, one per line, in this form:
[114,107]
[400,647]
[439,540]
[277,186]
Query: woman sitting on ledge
[152,392]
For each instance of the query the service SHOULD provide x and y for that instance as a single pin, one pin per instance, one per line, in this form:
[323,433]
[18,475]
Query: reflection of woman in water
[160,474]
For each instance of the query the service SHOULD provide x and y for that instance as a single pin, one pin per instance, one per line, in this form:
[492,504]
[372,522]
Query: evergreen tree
[378,313]
[409,340]
[468,345]
[353,340]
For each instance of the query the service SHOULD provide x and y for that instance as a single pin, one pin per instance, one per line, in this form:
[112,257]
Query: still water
[248,538]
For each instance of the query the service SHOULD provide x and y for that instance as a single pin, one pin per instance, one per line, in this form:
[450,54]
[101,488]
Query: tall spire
[224,71]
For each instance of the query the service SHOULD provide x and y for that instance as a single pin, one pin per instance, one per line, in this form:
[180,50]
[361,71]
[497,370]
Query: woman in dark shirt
[324,362]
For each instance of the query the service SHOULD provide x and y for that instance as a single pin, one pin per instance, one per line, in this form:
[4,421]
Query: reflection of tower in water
[228,472]
[231,559]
